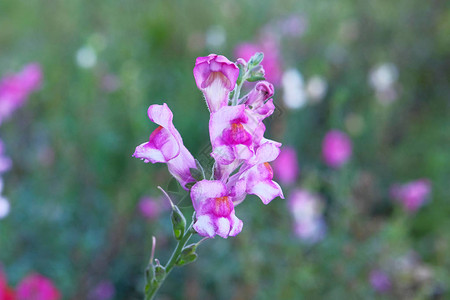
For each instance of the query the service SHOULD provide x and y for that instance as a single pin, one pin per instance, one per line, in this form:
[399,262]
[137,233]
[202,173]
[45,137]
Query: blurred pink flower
[306,209]
[15,89]
[37,287]
[336,148]
[103,291]
[412,194]
[271,62]
[149,208]
[380,281]
[286,166]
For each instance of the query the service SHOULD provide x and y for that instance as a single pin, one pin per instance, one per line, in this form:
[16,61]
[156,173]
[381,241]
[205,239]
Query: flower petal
[204,226]
[206,189]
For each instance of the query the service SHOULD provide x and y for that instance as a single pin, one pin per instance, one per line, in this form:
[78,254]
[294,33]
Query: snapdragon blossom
[165,145]
[241,153]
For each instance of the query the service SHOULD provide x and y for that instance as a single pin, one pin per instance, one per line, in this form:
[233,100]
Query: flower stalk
[155,283]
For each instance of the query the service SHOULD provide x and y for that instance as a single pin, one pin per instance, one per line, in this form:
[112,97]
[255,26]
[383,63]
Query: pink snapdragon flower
[380,281]
[286,166]
[216,77]
[234,134]
[37,287]
[412,194]
[165,145]
[336,148]
[257,174]
[258,102]
[103,291]
[15,89]
[306,209]
[215,210]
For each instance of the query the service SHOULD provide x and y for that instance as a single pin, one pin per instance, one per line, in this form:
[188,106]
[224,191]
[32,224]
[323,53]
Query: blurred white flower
[383,77]
[86,57]
[294,94]
[4,203]
[316,88]
[215,37]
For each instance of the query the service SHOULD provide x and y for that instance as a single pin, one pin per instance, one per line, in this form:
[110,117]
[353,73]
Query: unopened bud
[178,222]
[257,74]
[160,271]
[255,60]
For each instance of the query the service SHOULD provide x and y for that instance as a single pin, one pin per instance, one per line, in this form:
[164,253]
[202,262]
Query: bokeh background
[82,210]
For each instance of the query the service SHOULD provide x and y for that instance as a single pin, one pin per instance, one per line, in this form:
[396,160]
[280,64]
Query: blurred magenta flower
[103,291]
[15,89]
[216,77]
[215,209]
[380,281]
[306,209]
[271,63]
[286,166]
[6,293]
[149,208]
[336,148]
[412,194]
[37,287]
[165,145]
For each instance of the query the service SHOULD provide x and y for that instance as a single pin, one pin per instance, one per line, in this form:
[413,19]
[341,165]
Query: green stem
[172,261]
[238,88]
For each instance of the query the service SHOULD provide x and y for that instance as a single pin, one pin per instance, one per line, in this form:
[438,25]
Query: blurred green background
[74,187]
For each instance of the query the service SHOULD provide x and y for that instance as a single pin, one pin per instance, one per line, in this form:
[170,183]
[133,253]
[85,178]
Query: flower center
[222,206]
[269,169]
[217,76]
[237,134]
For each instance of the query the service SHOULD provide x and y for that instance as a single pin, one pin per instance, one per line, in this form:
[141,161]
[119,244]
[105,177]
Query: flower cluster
[14,92]
[240,151]
[33,286]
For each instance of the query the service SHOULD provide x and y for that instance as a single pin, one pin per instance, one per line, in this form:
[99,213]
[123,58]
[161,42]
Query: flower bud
[160,271]
[257,74]
[255,60]
[187,255]
[178,222]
